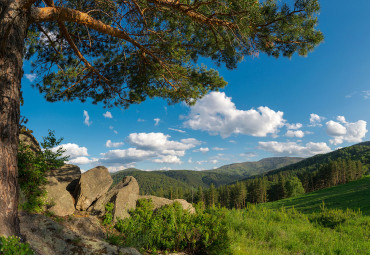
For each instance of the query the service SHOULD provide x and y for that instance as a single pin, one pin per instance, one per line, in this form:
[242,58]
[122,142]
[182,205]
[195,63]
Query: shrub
[12,245]
[32,170]
[331,218]
[170,228]
[108,216]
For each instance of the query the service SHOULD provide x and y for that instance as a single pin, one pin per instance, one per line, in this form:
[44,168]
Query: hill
[354,195]
[162,182]
[360,152]
[257,167]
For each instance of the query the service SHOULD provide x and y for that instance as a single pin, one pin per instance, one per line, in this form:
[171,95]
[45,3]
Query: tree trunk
[13,26]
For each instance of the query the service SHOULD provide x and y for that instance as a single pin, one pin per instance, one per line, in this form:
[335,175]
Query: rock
[160,201]
[88,226]
[59,200]
[48,237]
[124,196]
[68,174]
[92,185]
[28,139]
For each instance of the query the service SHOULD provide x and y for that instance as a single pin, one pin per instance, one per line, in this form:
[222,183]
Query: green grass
[354,195]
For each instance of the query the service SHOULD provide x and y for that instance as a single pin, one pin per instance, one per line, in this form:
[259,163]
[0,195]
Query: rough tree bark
[13,26]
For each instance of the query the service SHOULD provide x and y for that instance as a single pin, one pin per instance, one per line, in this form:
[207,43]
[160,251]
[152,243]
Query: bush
[170,228]
[33,168]
[12,245]
[331,218]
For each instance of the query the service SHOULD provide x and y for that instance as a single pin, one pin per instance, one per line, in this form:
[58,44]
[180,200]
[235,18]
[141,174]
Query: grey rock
[59,200]
[124,196]
[88,226]
[48,237]
[68,174]
[28,139]
[91,186]
[160,201]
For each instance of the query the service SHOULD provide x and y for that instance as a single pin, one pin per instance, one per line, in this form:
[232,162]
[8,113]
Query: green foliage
[108,216]
[331,218]
[32,170]
[161,49]
[170,228]
[12,245]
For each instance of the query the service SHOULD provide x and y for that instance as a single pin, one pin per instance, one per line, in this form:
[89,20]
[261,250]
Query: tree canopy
[121,52]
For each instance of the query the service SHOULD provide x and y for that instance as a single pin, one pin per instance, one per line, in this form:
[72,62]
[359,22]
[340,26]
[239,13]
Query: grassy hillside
[354,195]
[152,182]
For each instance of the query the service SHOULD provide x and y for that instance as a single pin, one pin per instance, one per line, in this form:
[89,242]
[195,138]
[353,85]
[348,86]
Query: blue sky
[271,107]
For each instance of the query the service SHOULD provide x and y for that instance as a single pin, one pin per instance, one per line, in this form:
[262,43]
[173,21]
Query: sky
[271,107]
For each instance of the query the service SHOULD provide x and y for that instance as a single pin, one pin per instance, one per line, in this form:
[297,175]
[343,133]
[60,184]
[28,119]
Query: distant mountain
[158,182]
[258,167]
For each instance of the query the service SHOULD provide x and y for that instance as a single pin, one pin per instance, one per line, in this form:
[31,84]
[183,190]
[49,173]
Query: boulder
[49,237]
[88,226]
[124,196]
[59,200]
[68,174]
[91,186]
[28,139]
[160,201]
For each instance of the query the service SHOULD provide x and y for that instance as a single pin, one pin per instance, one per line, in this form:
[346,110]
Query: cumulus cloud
[294,149]
[170,159]
[217,114]
[203,150]
[82,161]
[346,131]
[110,144]
[87,121]
[108,115]
[72,150]
[293,126]
[31,76]
[295,133]
[156,147]
[156,121]
[177,130]
[315,120]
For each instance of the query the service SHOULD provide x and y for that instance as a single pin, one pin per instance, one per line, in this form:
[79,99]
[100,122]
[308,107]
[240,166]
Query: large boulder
[161,201]
[68,174]
[59,200]
[91,186]
[49,237]
[124,196]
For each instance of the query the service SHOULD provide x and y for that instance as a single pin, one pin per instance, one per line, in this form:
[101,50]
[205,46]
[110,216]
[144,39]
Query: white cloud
[217,114]
[165,168]
[115,131]
[110,144]
[293,126]
[213,161]
[87,121]
[191,141]
[294,149]
[72,150]
[82,161]
[159,142]
[232,141]
[108,115]
[177,130]
[248,155]
[366,94]
[203,150]
[31,76]
[347,131]
[156,120]
[295,133]
[168,159]
[130,155]
[140,120]
[315,120]
[218,149]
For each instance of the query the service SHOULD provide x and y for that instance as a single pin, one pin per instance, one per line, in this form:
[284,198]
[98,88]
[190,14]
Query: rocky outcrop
[91,186]
[124,196]
[160,201]
[49,237]
[26,138]
[61,184]
[59,201]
